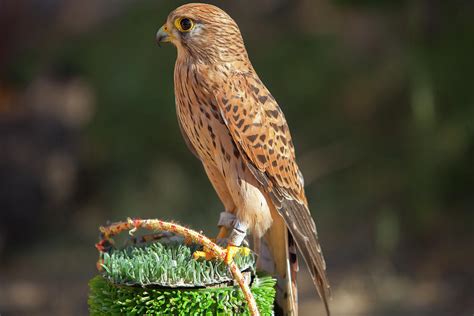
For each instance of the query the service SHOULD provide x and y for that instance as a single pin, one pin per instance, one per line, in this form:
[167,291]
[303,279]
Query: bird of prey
[234,126]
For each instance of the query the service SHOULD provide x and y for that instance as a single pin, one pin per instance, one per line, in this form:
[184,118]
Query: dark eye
[186,24]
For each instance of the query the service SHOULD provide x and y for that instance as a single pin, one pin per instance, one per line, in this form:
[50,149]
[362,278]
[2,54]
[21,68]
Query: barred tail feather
[303,230]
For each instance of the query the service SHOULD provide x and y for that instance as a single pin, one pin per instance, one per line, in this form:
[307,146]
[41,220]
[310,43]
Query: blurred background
[379,97]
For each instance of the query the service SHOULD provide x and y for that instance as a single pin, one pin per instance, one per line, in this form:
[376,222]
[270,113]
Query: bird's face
[181,30]
[203,32]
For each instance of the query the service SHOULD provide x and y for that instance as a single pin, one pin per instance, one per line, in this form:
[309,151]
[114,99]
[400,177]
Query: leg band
[239,229]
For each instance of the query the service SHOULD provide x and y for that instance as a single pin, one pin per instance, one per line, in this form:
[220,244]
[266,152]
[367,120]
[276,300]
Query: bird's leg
[237,234]
[232,230]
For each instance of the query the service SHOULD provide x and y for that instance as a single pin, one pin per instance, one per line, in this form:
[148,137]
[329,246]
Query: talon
[199,254]
[206,254]
[231,251]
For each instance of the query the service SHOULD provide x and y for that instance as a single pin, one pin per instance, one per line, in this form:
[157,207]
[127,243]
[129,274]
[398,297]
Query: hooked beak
[163,35]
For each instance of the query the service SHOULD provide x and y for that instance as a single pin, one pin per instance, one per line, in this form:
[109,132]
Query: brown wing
[258,126]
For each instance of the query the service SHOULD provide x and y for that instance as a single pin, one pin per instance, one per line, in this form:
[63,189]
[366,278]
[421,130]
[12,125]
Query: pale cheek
[197,36]
[197,31]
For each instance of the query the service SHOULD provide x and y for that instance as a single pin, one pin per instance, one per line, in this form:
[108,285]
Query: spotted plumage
[232,123]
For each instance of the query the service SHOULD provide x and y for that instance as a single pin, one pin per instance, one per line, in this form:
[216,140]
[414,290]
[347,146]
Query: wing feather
[258,127]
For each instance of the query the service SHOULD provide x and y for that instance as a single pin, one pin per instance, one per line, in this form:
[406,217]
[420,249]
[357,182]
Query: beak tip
[162,36]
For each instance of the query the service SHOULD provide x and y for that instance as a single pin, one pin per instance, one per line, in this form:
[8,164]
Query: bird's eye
[184,24]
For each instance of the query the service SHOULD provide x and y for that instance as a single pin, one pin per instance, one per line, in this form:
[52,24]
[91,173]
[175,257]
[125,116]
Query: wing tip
[326,305]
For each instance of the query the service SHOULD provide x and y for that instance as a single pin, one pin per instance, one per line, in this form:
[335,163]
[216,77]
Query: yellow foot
[231,252]
[205,253]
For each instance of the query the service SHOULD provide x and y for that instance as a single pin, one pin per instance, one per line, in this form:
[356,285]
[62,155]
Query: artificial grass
[163,279]
[106,298]
[170,265]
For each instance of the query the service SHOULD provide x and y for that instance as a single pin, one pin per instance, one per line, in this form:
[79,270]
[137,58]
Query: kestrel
[232,123]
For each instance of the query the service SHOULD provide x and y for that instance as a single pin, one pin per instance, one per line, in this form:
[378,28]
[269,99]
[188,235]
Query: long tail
[277,256]
[295,213]
[303,230]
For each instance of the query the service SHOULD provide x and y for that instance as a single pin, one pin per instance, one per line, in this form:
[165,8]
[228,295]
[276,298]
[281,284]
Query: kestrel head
[203,32]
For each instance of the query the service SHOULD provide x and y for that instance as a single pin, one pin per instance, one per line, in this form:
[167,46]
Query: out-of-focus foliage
[378,95]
